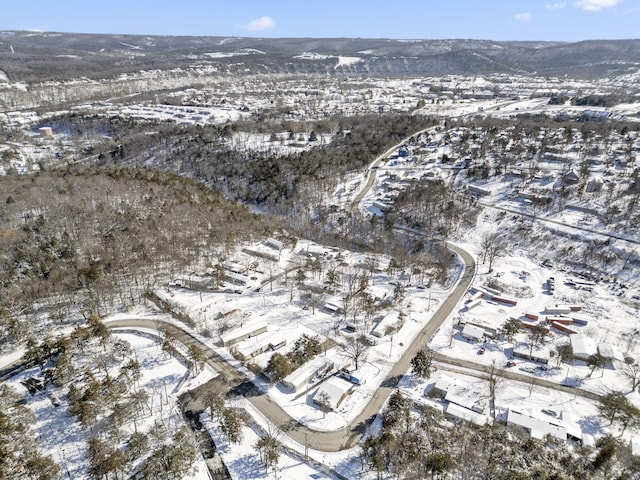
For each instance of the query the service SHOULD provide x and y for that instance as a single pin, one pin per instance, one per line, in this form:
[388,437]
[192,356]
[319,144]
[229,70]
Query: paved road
[347,437]
[373,166]
[538,218]
[235,381]
[482,371]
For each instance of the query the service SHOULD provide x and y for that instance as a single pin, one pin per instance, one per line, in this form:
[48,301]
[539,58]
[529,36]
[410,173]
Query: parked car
[481,351]
[511,363]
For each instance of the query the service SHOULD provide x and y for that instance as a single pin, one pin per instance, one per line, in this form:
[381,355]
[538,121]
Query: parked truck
[353,377]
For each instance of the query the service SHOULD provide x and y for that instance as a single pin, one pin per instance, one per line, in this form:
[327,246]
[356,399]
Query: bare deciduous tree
[355,348]
[631,371]
[493,245]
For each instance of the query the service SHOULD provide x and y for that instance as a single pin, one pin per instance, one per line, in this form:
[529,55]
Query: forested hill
[34,56]
[94,240]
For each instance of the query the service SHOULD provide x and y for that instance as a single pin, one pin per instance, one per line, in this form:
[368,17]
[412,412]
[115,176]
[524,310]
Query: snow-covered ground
[288,315]
[526,280]
[275,303]
[61,434]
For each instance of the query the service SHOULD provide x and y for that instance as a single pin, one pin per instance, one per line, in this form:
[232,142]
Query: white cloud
[595,5]
[259,24]
[556,6]
[523,17]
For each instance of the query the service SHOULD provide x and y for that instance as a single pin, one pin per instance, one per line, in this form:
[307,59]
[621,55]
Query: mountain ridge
[33,56]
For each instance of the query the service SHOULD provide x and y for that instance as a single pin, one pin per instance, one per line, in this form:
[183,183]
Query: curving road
[233,380]
[372,168]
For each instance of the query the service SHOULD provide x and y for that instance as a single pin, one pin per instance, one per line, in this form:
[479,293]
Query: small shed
[46,132]
[472,333]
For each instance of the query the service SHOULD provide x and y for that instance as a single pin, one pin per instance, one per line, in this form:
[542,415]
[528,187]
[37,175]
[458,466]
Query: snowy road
[334,441]
[538,218]
[350,435]
[468,367]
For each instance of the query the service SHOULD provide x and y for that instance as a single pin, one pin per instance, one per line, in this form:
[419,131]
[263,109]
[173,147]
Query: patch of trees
[269,449]
[422,363]
[416,442]
[595,101]
[78,242]
[433,206]
[304,349]
[281,182]
[19,449]
[558,100]
[100,379]
[201,152]
[617,409]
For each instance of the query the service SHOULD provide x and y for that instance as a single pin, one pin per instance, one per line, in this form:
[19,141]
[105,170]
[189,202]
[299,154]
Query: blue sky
[565,20]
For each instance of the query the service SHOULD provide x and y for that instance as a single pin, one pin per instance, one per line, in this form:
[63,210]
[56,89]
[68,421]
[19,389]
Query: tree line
[416,442]
[74,243]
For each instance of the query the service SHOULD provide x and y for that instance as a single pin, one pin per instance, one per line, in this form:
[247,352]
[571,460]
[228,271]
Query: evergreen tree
[421,364]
